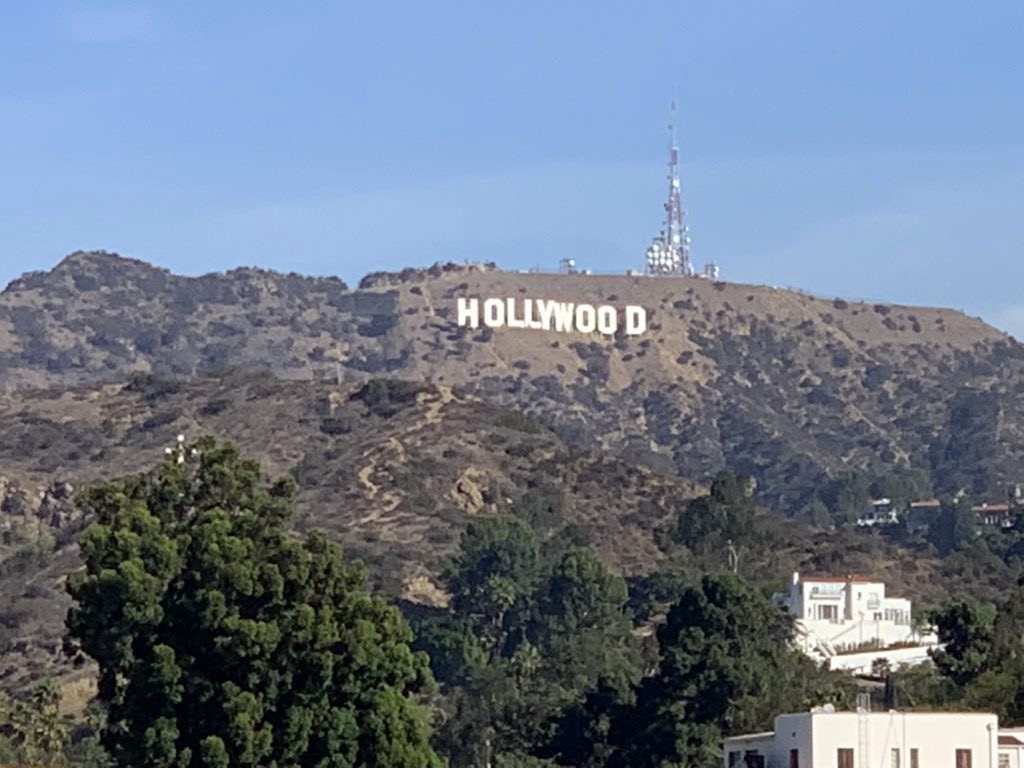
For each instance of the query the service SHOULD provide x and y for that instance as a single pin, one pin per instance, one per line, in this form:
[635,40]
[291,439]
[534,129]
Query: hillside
[773,383]
[391,470]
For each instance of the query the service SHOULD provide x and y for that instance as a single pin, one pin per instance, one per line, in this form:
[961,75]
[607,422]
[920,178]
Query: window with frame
[794,758]
[914,758]
[1004,761]
[894,759]
[963,758]
[844,757]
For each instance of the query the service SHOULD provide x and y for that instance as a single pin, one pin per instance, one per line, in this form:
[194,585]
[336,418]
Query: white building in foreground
[828,739]
[850,622]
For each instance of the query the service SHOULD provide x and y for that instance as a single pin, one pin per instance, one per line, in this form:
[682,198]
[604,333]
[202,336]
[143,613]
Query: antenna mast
[669,253]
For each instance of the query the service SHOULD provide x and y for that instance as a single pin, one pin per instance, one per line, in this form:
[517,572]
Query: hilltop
[789,388]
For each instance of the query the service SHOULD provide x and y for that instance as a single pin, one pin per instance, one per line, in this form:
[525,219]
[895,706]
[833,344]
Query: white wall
[854,633]
[860,663]
[936,736]
[819,736]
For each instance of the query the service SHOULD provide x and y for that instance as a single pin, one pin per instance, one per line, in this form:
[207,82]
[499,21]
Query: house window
[734,759]
[894,760]
[828,612]
[753,759]
[844,757]
[794,758]
[963,758]
[914,758]
[1004,760]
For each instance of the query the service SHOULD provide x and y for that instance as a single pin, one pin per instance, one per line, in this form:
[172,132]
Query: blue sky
[869,149]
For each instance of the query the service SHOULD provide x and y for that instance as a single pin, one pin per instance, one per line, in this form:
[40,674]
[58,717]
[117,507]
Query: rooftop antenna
[669,253]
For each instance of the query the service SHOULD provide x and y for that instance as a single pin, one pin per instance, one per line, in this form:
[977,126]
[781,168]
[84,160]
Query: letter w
[563,317]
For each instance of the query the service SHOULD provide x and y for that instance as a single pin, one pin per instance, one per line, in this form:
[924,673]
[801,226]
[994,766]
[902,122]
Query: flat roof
[751,736]
[986,507]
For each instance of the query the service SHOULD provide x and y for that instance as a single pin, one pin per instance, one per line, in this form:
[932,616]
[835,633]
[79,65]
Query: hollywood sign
[557,316]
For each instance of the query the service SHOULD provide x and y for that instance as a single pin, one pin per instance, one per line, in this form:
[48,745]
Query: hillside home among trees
[879,512]
[850,623]
[919,515]
[995,515]
[824,737]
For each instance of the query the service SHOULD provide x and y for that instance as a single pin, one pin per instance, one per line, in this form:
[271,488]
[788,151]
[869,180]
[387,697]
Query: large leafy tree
[582,628]
[966,631]
[727,665]
[529,635]
[492,580]
[224,641]
[726,513]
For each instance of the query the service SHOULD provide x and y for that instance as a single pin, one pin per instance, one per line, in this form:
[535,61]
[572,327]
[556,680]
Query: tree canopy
[534,638]
[222,640]
[726,665]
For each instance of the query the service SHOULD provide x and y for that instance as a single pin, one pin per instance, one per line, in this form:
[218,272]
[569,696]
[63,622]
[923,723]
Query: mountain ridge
[789,388]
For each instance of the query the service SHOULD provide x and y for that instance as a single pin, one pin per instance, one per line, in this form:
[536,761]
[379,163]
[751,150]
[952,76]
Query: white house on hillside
[879,512]
[824,738]
[851,622]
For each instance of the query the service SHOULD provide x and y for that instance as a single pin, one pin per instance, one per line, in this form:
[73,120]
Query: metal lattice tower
[669,252]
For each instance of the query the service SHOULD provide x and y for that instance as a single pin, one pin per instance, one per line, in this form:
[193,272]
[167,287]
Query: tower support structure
[669,252]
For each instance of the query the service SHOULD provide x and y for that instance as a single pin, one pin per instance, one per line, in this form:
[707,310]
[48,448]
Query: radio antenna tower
[669,253]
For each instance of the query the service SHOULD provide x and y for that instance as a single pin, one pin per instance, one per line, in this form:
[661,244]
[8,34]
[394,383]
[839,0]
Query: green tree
[85,750]
[999,690]
[557,629]
[492,580]
[727,665]
[223,641]
[727,512]
[1008,628]
[965,629]
[954,528]
[583,629]
[455,652]
[583,731]
[920,686]
[847,495]
[32,729]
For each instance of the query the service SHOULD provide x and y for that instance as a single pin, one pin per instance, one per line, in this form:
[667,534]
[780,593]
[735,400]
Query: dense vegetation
[223,641]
